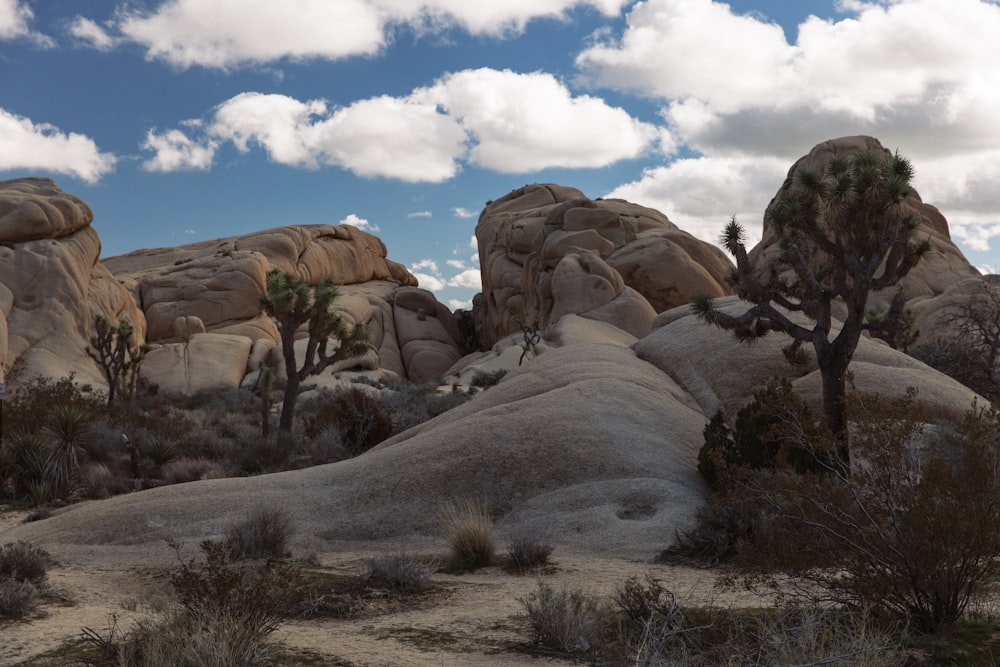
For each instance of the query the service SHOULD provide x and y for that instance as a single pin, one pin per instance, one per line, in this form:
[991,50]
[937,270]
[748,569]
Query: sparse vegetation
[23,571]
[469,529]
[119,355]
[264,533]
[529,549]
[400,572]
[568,621]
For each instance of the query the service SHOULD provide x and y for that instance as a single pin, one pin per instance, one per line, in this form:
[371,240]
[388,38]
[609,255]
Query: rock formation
[547,251]
[51,282]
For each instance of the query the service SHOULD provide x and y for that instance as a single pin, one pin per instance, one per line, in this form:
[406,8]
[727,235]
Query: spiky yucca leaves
[292,303]
[844,232]
[69,428]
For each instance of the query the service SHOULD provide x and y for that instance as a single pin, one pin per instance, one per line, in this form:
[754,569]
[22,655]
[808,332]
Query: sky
[190,120]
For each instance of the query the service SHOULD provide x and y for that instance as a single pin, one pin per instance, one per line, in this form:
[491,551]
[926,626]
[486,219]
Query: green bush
[760,439]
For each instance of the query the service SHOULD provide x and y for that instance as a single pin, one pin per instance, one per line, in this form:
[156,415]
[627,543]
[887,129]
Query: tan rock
[35,208]
[206,361]
[548,251]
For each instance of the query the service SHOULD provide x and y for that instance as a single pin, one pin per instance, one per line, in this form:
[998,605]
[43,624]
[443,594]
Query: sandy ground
[474,621]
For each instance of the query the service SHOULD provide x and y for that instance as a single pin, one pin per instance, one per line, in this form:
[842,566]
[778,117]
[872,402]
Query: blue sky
[189,120]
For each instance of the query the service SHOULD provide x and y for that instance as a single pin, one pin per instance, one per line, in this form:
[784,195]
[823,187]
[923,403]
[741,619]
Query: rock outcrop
[197,305]
[51,282]
[547,251]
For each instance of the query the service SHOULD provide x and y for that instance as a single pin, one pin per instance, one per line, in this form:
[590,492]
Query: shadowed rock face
[547,251]
[942,276]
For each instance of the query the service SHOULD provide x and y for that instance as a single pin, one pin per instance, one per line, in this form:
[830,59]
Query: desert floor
[470,620]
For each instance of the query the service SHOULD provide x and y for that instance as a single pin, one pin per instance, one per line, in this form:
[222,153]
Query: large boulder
[51,283]
[547,251]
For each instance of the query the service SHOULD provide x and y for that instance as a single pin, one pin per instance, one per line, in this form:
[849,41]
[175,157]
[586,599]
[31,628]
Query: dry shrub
[912,530]
[17,598]
[568,621]
[469,528]
[97,480]
[24,562]
[529,548]
[264,533]
[192,469]
[400,572]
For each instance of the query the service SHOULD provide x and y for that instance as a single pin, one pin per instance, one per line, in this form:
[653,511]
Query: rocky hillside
[594,431]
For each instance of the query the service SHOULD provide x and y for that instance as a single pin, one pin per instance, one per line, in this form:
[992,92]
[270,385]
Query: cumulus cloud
[26,145]
[356,221]
[700,194]
[173,150]
[230,33]
[921,75]
[499,120]
[524,122]
[468,279]
[15,20]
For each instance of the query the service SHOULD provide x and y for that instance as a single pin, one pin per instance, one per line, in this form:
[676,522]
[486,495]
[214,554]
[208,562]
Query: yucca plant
[69,429]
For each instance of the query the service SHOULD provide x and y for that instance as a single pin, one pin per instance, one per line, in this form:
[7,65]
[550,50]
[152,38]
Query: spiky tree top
[844,232]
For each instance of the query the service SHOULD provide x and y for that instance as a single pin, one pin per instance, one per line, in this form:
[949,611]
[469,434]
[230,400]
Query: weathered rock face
[196,304]
[212,288]
[51,284]
[547,251]
[941,277]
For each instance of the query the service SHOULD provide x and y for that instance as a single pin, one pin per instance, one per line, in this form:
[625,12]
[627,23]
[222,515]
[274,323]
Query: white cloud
[920,75]
[457,264]
[88,33]
[461,212]
[25,145]
[15,19]
[499,120]
[525,122]
[468,279]
[356,221]
[231,33]
[430,282]
[419,214]
[700,194]
[426,264]
[460,304]
[173,150]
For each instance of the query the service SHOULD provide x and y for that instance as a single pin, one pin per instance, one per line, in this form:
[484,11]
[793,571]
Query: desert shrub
[22,463]
[642,600]
[264,533]
[399,572]
[722,525]
[568,621]
[17,598]
[159,448]
[223,588]
[29,404]
[962,362]
[529,548]
[410,404]
[188,469]
[358,416]
[23,561]
[468,527]
[760,439]
[911,530]
[486,379]
[97,480]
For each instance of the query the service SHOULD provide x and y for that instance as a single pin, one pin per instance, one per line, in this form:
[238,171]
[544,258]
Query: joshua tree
[292,303]
[843,232]
[114,349]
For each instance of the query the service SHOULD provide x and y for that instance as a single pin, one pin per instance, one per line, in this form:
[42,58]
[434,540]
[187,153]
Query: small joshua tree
[844,232]
[292,303]
[115,351]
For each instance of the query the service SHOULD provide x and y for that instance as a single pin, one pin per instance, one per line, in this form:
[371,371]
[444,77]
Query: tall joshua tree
[843,232]
[115,351]
[292,303]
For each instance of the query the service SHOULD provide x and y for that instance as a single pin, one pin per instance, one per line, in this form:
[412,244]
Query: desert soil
[472,620]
